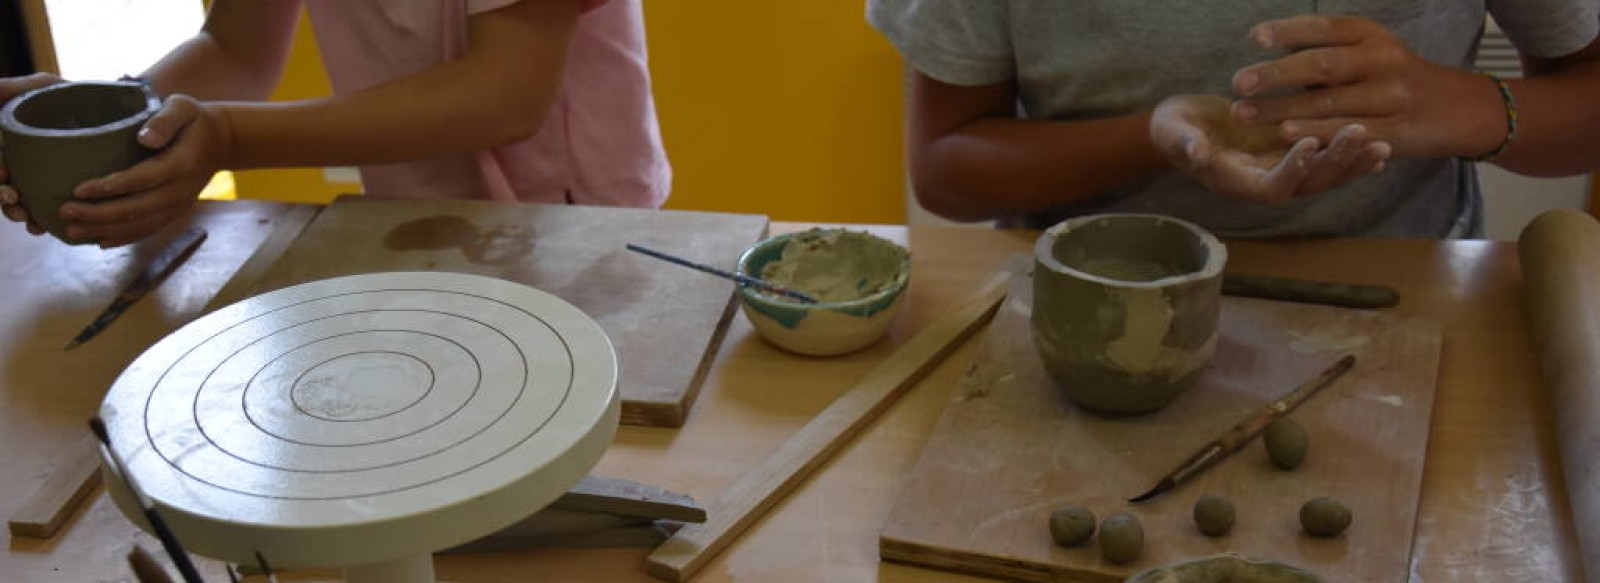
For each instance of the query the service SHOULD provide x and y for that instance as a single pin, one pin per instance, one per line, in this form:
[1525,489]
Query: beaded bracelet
[1511,118]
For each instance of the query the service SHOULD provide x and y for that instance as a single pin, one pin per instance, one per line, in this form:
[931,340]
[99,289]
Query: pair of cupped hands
[1346,97]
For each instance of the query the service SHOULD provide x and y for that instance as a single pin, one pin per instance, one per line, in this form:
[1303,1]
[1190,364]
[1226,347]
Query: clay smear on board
[1326,339]
[495,246]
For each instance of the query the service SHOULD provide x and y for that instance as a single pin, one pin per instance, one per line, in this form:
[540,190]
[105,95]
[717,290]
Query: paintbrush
[169,542]
[1242,433]
[741,278]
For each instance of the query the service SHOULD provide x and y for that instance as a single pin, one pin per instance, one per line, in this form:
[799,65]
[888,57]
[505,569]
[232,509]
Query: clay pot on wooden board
[1125,308]
[56,137]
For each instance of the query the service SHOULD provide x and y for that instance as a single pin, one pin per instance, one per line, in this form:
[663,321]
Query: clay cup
[1125,308]
[56,137]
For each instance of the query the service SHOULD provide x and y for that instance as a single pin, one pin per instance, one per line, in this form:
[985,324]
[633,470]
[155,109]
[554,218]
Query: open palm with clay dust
[1200,137]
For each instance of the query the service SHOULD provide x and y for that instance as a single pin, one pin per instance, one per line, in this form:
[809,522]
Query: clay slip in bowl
[826,328]
[56,137]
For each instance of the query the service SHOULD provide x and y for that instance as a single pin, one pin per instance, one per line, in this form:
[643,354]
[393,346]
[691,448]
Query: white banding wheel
[366,420]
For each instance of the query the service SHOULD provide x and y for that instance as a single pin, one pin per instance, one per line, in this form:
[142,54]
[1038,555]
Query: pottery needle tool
[154,273]
[1242,433]
[169,541]
[741,278]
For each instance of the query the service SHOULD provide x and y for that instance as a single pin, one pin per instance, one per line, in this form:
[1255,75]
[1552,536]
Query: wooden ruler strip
[763,486]
[628,498]
[74,474]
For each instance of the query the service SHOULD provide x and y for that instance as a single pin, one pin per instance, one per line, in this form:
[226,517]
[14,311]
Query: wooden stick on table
[763,486]
[74,473]
[1560,254]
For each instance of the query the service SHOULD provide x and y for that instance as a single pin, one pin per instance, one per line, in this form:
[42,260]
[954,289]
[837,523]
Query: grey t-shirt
[1085,59]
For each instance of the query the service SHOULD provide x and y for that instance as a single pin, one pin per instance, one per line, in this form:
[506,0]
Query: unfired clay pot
[1125,308]
[56,137]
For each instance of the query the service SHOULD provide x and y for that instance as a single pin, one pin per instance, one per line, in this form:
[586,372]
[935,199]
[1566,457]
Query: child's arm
[1361,73]
[238,55]
[971,158]
[498,93]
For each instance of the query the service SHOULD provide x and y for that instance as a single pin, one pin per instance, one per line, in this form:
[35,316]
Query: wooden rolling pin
[1560,254]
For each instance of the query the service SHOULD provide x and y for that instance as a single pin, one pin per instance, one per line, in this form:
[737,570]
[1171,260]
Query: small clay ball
[1213,515]
[1071,525]
[1121,538]
[1324,517]
[1286,443]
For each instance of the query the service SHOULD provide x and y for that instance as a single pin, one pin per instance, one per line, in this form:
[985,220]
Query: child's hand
[1199,136]
[196,137]
[1354,71]
[9,200]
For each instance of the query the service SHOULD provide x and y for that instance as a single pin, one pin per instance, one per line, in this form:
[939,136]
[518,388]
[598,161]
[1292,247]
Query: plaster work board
[1009,450]
[665,320]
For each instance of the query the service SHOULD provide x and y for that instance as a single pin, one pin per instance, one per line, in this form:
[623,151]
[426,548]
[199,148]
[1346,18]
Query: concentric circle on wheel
[418,409]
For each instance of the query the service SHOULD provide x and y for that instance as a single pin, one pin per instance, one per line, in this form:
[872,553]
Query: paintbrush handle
[741,278]
[1240,434]
[180,558]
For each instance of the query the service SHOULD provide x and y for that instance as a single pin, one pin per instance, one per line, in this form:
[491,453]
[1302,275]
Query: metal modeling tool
[158,270]
[180,557]
[742,279]
[1241,434]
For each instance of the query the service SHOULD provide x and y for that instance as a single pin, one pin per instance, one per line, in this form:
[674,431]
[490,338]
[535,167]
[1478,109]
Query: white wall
[1511,201]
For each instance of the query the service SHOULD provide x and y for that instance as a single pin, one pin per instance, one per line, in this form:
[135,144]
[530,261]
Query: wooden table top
[1493,504]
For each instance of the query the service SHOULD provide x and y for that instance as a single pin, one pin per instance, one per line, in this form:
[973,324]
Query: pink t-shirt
[600,144]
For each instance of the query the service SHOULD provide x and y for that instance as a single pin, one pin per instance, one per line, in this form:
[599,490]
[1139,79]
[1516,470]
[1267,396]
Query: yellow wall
[786,108]
[789,108]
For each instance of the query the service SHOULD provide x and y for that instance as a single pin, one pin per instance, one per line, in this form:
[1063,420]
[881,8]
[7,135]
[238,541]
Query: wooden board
[53,291]
[762,487]
[1009,450]
[664,320]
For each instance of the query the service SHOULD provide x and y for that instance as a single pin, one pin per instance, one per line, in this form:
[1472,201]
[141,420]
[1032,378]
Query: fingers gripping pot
[57,137]
[1125,308]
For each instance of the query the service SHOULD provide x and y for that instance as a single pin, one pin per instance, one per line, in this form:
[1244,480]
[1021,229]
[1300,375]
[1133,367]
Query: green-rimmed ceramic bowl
[830,327]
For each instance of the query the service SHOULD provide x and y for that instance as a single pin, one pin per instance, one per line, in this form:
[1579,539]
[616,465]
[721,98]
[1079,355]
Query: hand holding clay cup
[859,281]
[10,87]
[59,136]
[1125,308]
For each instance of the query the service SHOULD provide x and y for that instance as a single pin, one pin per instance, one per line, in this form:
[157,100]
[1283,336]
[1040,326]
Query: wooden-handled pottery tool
[741,278]
[180,558]
[1310,292]
[1241,434]
[158,270]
